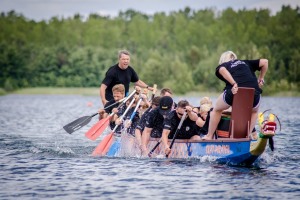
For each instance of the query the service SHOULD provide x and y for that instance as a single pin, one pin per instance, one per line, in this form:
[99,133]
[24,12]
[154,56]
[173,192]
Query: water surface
[39,160]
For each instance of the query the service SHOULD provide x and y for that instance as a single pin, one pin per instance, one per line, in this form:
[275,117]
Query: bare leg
[195,137]
[253,118]
[215,117]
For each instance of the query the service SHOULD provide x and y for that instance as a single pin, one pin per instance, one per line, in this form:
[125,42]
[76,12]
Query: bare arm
[164,137]
[263,64]
[142,84]
[145,140]
[200,122]
[102,93]
[192,115]
[226,75]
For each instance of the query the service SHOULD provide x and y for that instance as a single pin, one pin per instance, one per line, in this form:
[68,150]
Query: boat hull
[233,152]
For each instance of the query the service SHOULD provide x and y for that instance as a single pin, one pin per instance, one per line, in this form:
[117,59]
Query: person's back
[142,122]
[237,73]
[155,121]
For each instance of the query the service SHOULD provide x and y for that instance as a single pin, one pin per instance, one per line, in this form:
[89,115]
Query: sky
[46,9]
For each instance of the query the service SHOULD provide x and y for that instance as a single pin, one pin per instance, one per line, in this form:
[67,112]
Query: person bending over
[237,73]
[187,129]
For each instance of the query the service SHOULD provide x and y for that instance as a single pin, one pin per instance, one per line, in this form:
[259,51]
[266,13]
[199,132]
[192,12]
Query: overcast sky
[45,9]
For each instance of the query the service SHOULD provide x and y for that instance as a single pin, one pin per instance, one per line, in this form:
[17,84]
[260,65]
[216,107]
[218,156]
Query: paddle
[153,149]
[159,141]
[98,128]
[82,121]
[153,91]
[134,111]
[104,145]
[175,134]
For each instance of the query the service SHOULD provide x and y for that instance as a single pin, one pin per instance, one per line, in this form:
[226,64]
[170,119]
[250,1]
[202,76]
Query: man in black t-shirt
[154,122]
[142,123]
[120,73]
[171,123]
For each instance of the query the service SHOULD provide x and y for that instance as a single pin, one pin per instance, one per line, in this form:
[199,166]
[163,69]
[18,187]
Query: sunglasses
[180,114]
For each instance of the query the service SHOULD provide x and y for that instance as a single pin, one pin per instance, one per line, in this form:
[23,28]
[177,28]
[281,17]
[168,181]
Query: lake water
[39,160]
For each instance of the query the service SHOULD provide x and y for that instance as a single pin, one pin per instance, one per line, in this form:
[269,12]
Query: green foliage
[180,50]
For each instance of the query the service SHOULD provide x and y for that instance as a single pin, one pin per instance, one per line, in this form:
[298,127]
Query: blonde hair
[205,100]
[227,56]
[205,108]
[119,88]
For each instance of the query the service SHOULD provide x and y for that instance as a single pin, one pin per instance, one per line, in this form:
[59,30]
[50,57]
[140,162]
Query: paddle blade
[77,124]
[108,145]
[100,149]
[97,129]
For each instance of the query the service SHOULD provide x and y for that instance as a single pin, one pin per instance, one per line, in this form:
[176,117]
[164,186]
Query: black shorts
[228,98]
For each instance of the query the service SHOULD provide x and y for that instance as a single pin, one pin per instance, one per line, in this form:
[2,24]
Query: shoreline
[94,91]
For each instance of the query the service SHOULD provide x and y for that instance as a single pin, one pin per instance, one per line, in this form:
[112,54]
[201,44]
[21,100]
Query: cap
[165,105]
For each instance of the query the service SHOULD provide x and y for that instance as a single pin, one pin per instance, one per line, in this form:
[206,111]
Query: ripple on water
[39,160]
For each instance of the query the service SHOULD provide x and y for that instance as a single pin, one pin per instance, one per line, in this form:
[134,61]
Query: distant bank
[94,91]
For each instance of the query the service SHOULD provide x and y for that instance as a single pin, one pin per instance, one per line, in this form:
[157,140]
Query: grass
[88,91]
[94,91]
[65,91]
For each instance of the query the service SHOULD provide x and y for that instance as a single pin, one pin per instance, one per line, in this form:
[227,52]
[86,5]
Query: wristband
[262,81]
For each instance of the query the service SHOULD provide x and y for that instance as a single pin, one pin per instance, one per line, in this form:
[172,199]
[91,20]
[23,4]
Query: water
[39,160]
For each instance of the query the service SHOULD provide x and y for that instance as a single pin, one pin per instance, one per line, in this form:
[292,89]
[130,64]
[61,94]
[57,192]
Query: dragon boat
[232,145]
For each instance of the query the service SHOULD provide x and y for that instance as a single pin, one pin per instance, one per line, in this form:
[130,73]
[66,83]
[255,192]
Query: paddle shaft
[123,101]
[153,149]
[154,91]
[105,143]
[82,121]
[101,125]
[121,118]
[176,132]
[135,109]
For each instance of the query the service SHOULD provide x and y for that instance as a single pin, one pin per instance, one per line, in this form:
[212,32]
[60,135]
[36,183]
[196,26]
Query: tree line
[179,50]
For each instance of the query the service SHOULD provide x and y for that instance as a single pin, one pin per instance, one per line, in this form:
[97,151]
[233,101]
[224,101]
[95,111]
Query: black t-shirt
[155,121]
[115,75]
[109,110]
[142,123]
[204,129]
[187,129]
[242,71]
[112,124]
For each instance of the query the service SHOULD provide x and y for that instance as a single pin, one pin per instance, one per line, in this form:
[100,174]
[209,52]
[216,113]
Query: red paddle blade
[108,145]
[99,150]
[97,129]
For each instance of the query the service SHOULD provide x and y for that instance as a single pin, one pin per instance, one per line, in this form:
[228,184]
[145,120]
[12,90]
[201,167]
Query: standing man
[120,73]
